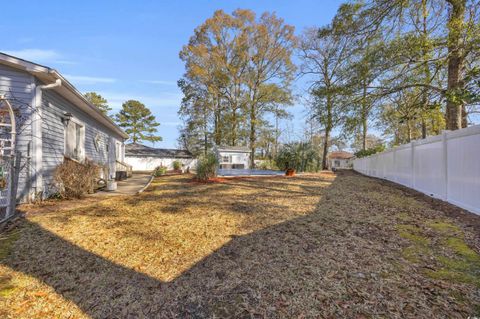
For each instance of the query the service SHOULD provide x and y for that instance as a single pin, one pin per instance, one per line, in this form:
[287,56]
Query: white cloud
[79,79]
[171,123]
[39,56]
[35,54]
[165,99]
[161,82]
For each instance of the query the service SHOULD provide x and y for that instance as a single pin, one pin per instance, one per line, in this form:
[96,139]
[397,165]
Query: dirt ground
[313,246]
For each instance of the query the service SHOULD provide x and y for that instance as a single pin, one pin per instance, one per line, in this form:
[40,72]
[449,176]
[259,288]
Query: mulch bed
[311,246]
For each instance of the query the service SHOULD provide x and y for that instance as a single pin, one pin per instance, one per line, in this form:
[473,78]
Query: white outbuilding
[340,160]
[234,157]
[145,158]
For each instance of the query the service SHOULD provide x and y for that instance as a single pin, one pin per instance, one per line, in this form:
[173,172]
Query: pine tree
[99,101]
[138,121]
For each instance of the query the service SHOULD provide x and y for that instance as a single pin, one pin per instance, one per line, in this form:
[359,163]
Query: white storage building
[145,158]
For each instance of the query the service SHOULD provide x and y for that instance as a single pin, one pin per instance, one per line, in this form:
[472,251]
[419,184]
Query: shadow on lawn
[319,264]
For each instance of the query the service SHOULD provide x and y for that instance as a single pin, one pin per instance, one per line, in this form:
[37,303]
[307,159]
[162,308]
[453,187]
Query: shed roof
[340,155]
[135,149]
[238,149]
[66,90]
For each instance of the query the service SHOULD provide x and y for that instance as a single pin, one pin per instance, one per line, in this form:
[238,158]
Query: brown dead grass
[310,246]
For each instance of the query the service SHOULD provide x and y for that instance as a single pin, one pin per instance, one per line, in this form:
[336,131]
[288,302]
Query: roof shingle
[135,149]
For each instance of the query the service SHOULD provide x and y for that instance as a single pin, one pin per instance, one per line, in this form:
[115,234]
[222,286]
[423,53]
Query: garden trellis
[9,160]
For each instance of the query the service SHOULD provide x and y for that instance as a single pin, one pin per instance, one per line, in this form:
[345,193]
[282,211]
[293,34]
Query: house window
[75,141]
[226,159]
[337,163]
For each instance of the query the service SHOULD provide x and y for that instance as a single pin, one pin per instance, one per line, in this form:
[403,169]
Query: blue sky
[129,49]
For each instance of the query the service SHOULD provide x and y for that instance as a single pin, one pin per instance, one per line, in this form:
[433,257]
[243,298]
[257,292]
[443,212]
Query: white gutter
[37,135]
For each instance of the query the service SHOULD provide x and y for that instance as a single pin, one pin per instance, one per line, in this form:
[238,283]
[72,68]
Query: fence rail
[445,166]
[124,167]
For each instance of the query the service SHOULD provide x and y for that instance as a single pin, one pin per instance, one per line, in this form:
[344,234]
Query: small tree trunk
[325,149]
[253,120]
[328,129]
[424,128]
[364,134]
[234,128]
[464,117]
[217,131]
[409,132]
[364,116]
[455,63]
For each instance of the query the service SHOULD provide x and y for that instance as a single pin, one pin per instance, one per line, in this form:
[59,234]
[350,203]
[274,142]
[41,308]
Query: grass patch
[6,244]
[444,227]
[463,267]
[413,233]
[414,253]
[459,247]
[454,275]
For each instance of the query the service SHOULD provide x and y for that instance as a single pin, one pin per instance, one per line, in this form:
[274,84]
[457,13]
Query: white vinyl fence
[445,166]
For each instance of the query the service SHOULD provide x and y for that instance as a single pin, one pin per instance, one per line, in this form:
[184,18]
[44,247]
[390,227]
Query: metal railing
[124,167]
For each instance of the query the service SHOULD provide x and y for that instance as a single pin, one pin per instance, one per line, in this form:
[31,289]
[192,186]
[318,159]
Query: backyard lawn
[305,247]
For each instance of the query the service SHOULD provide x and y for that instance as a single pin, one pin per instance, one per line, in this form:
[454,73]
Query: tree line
[239,70]
[405,68]
[135,118]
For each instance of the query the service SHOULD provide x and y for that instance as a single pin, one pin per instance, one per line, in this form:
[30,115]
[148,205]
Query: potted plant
[288,159]
[290,172]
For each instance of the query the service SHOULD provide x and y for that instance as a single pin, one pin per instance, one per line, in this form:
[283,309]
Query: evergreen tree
[100,102]
[138,122]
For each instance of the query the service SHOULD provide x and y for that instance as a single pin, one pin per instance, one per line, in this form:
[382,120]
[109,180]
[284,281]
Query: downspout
[37,136]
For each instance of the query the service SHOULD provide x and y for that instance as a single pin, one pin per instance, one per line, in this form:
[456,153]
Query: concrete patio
[130,186]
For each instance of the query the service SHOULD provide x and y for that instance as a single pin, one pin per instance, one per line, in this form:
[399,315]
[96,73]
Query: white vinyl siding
[234,159]
[226,159]
[96,137]
[18,87]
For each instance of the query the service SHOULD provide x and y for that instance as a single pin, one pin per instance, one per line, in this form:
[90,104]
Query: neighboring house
[54,122]
[340,159]
[145,158]
[233,157]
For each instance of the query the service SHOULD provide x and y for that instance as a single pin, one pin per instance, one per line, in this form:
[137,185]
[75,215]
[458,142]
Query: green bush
[161,170]
[177,165]
[370,151]
[299,156]
[207,166]
[268,164]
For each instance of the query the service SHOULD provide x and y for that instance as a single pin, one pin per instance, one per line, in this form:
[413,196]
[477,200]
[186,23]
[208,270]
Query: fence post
[14,175]
[445,161]
[412,163]
[394,173]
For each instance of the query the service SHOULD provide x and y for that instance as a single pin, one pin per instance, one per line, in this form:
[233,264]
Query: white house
[340,160]
[54,122]
[233,157]
[145,158]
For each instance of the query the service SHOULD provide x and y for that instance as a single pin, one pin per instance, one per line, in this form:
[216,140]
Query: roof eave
[48,75]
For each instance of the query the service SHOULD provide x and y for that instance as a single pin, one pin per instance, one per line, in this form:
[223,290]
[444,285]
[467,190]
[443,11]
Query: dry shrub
[75,179]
